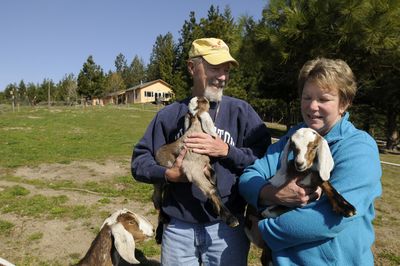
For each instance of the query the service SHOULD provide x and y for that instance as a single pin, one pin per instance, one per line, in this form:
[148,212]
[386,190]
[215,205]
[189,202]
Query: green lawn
[39,135]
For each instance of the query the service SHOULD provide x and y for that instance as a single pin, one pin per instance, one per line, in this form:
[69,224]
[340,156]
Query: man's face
[210,80]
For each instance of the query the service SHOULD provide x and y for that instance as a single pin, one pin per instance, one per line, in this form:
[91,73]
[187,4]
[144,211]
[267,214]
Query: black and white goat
[116,239]
[313,161]
[196,167]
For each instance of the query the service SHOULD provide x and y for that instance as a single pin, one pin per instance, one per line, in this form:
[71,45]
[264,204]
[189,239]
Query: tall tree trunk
[392,136]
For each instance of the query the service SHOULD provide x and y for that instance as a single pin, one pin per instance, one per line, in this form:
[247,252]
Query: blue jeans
[215,243]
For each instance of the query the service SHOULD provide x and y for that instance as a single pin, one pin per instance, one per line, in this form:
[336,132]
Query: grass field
[35,138]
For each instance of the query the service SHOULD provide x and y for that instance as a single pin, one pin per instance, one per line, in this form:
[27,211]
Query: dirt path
[62,240]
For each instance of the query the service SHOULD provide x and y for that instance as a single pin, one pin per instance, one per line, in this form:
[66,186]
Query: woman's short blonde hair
[330,74]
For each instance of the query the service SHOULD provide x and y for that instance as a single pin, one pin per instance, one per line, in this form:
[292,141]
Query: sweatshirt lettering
[223,134]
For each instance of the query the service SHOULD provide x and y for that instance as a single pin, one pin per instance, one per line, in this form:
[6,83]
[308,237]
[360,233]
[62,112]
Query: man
[195,234]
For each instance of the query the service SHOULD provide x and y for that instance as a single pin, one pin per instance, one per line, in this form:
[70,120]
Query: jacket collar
[335,134]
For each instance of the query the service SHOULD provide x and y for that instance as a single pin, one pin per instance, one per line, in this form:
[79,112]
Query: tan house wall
[149,93]
[153,92]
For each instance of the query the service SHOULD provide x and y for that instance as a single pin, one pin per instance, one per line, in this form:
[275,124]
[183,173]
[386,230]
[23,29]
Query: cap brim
[220,58]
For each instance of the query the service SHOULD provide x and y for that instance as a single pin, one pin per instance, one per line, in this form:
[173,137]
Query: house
[157,91]
[117,97]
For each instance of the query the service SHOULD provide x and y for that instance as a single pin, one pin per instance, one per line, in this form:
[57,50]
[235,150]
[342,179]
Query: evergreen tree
[162,59]
[189,32]
[46,92]
[365,33]
[21,96]
[137,72]
[31,92]
[91,80]
[10,93]
[122,69]
[120,63]
[216,25]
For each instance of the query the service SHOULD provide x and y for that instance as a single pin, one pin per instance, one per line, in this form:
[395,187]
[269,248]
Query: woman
[314,234]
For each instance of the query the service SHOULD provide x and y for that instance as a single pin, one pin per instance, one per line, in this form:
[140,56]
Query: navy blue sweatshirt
[236,123]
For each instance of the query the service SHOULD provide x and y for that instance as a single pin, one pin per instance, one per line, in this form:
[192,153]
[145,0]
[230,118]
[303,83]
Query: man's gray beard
[212,95]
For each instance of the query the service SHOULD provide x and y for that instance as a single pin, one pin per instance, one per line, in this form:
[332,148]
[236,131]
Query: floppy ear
[193,106]
[284,156]
[207,124]
[124,243]
[187,122]
[281,174]
[325,160]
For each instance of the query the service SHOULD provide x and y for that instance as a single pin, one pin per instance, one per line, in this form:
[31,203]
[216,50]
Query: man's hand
[175,173]
[203,143]
[290,194]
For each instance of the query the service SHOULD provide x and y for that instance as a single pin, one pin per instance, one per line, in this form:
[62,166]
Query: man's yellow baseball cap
[213,50]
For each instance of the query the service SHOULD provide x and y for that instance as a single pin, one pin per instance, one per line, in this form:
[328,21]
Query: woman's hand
[203,143]
[290,194]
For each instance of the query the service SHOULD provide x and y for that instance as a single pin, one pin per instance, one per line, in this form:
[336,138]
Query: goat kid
[196,167]
[117,238]
[313,161]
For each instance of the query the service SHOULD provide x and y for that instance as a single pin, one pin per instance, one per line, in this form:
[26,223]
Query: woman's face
[320,108]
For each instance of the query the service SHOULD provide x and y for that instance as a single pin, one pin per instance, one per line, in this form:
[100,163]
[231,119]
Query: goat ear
[124,243]
[325,160]
[281,174]
[284,156]
[207,124]
[187,122]
[193,106]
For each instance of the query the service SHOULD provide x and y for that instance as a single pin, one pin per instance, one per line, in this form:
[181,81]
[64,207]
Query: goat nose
[299,166]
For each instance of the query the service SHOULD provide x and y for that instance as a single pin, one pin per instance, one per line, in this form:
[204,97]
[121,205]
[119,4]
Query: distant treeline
[271,51]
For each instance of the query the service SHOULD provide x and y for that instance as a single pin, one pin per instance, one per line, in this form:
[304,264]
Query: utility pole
[48,95]
[12,99]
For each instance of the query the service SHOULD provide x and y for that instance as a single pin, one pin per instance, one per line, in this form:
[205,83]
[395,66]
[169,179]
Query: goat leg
[339,204]
[251,229]
[156,197]
[266,256]
[223,211]
[216,200]
[202,179]
[163,218]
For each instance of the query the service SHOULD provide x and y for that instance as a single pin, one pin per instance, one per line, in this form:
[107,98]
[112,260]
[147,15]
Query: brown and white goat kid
[196,167]
[117,238]
[313,161]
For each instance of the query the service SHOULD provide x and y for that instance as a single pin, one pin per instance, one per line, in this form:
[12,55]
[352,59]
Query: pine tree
[90,80]
[137,72]
[162,59]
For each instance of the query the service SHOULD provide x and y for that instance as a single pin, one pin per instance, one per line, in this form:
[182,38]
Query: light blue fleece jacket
[314,234]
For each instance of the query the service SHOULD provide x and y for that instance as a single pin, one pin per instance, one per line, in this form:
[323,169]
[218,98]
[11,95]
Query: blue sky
[50,38]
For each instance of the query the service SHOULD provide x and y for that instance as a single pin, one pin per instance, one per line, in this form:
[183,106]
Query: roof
[143,85]
[116,93]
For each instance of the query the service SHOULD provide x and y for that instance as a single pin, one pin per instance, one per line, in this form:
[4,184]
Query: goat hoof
[349,212]
[232,221]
